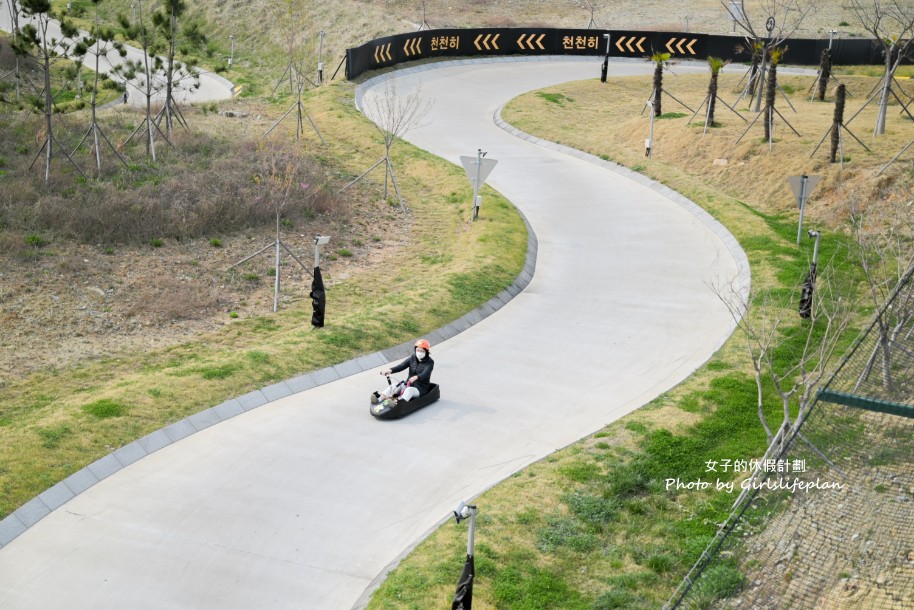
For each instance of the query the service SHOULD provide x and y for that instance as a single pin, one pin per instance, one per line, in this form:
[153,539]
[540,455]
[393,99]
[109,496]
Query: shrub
[196,194]
[35,240]
[661,563]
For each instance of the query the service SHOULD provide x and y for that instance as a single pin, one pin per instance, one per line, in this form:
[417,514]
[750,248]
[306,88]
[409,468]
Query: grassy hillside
[594,526]
[94,359]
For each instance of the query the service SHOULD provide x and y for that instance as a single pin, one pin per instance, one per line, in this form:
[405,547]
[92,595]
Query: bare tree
[884,239]
[891,22]
[302,59]
[795,360]
[424,23]
[593,9]
[767,24]
[35,40]
[297,26]
[282,175]
[394,116]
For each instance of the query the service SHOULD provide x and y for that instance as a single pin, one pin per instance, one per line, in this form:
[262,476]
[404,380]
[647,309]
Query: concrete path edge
[56,496]
[37,508]
[700,213]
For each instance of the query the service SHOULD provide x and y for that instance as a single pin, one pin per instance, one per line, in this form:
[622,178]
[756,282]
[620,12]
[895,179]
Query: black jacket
[421,368]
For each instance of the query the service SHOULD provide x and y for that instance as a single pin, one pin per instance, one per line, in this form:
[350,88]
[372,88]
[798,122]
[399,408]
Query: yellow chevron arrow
[638,44]
[495,40]
[672,40]
[520,41]
[387,51]
[376,60]
[619,44]
[679,46]
[689,46]
[538,41]
[629,44]
[476,43]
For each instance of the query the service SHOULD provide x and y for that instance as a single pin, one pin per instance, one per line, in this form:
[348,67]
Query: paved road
[303,502]
[212,86]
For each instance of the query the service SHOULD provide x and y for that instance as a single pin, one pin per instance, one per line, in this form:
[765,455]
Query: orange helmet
[423,344]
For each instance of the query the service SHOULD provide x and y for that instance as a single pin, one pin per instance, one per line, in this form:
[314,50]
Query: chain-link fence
[827,520]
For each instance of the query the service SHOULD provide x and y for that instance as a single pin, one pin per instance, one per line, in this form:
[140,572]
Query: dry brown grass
[208,184]
[746,171]
[168,299]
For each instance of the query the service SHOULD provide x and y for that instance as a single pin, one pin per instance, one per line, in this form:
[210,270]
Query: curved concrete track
[303,502]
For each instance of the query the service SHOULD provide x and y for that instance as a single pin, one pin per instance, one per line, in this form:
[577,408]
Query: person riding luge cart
[404,397]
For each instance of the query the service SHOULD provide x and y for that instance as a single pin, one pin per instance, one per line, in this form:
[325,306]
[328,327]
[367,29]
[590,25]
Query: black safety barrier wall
[401,48]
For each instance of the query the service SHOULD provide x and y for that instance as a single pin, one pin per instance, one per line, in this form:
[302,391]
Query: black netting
[879,372]
[831,524]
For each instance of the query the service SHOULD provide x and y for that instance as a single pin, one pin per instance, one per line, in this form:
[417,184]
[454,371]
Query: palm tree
[775,56]
[660,60]
[757,49]
[824,74]
[716,64]
[837,122]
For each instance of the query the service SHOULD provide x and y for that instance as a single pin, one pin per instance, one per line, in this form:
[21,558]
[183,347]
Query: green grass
[105,408]
[85,411]
[599,531]
[52,436]
[554,98]
[606,532]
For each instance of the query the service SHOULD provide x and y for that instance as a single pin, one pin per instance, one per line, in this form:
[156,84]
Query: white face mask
[420,354]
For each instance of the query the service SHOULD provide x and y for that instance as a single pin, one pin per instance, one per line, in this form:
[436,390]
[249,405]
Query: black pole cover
[809,285]
[463,600]
[318,298]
